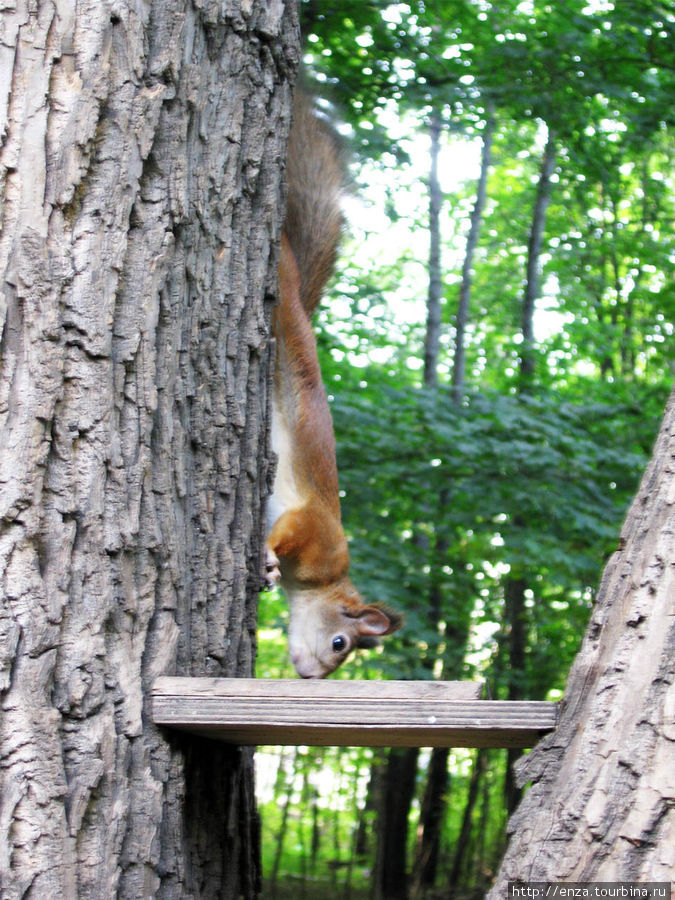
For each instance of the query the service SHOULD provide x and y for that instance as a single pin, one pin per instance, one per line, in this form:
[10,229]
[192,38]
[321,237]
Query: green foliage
[317,839]
[534,486]
[449,500]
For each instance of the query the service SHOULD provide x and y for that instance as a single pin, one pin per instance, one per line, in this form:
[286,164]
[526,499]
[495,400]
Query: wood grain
[348,713]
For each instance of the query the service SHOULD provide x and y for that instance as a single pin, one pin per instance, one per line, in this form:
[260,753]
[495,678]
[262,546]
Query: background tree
[536,481]
[599,808]
[141,189]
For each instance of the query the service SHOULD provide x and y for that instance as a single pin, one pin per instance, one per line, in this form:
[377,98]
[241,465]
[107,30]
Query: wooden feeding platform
[348,713]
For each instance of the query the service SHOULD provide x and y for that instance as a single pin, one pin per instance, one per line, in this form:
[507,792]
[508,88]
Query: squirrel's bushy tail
[316,181]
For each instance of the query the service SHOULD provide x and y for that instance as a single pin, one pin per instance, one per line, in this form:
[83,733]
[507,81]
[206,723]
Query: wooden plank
[348,713]
[328,688]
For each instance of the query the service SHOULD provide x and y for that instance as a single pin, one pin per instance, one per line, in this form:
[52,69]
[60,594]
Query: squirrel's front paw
[272,570]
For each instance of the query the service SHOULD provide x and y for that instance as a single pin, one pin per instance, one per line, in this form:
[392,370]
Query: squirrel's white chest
[285,493]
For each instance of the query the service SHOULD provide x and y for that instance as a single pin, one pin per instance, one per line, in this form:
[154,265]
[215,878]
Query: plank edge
[175,704]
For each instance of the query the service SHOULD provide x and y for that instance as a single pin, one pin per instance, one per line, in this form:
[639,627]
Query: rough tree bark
[602,803]
[141,203]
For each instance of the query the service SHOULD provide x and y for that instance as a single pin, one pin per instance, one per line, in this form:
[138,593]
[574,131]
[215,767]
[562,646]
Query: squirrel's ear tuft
[376,620]
[396,619]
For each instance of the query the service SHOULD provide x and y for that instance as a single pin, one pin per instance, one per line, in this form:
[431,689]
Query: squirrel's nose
[307,668]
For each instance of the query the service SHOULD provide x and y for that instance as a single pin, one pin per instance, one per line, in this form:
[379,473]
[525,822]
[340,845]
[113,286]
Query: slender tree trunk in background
[316,831]
[628,343]
[514,588]
[627,338]
[371,804]
[354,838]
[431,819]
[434,801]
[481,864]
[287,781]
[141,197]
[600,807]
[301,843]
[516,642]
[462,845]
[459,364]
[394,808]
[433,330]
[391,870]
[606,363]
[533,274]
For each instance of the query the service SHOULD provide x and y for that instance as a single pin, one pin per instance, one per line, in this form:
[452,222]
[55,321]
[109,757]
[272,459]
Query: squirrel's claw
[272,570]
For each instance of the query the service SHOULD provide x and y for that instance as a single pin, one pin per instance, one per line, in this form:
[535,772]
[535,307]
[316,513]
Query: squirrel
[306,546]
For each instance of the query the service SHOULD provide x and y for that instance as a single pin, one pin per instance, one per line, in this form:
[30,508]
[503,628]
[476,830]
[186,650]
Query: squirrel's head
[327,623]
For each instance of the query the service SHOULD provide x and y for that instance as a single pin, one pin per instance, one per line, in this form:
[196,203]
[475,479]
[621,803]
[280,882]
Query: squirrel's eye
[339,643]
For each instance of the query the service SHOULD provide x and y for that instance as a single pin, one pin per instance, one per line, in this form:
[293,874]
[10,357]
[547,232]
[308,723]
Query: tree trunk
[516,643]
[286,785]
[392,847]
[434,803]
[459,364]
[433,330]
[601,804]
[431,820]
[141,193]
[533,275]
[371,803]
[462,845]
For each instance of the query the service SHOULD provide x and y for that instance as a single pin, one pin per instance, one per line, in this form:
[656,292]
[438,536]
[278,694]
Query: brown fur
[316,180]
[300,393]
[307,542]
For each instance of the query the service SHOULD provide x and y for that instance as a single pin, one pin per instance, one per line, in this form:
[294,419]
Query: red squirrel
[306,546]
